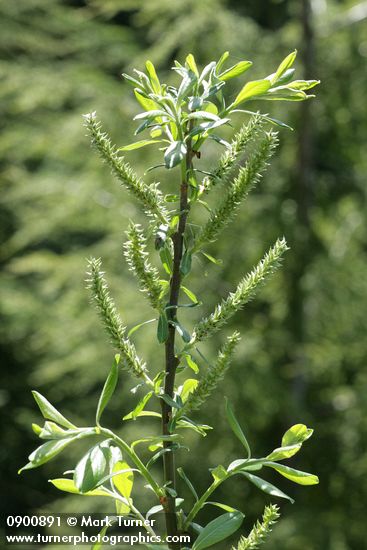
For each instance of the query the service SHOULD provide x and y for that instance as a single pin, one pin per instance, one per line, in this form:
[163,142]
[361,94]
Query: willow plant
[179,121]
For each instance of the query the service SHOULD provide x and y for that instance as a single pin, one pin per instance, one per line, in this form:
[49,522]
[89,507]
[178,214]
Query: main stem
[172,360]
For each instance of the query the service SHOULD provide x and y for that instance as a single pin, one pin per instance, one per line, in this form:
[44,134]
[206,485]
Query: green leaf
[139,144]
[136,327]
[284,452]
[222,60]
[189,294]
[185,265]
[68,486]
[167,399]
[154,113]
[303,84]
[166,259]
[145,102]
[296,434]
[139,407]
[191,63]
[185,335]
[236,428]
[49,412]
[207,126]
[162,329]
[222,506]
[218,529]
[154,439]
[297,476]
[123,482]
[285,65]
[191,363]
[266,487]
[98,545]
[252,90]
[285,94]
[236,70]
[46,452]
[211,258]
[91,468]
[188,387]
[246,464]
[203,115]
[142,413]
[188,483]
[187,84]
[108,388]
[154,80]
[187,423]
[174,154]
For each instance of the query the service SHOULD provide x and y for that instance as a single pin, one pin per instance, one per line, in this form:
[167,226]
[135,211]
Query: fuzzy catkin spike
[230,158]
[136,257]
[111,319]
[244,292]
[148,195]
[213,376]
[260,531]
[247,178]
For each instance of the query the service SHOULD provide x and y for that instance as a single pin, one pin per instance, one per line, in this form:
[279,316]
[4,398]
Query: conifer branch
[232,156]
[247,178]
[136,257]
[260,531]
[244,292]
[112,321]
[148,195]
[213,376]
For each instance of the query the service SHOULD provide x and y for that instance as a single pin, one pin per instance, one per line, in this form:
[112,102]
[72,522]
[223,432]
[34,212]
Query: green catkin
[213,376]
[136,257]
[244,292]
[248,177]
[260,531]
[148,195]
[111,319]
[233,155]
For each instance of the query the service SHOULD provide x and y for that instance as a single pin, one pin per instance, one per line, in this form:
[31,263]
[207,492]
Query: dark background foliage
[303,352]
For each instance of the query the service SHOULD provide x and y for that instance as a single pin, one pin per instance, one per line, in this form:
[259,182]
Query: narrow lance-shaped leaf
[236,428]
[68,486]
[91,468]
[108,389]
[49,412]
[218,529]
[266,487]
[297,476]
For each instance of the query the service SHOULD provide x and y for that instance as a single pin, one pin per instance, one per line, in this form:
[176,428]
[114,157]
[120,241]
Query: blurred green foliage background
[303,352]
